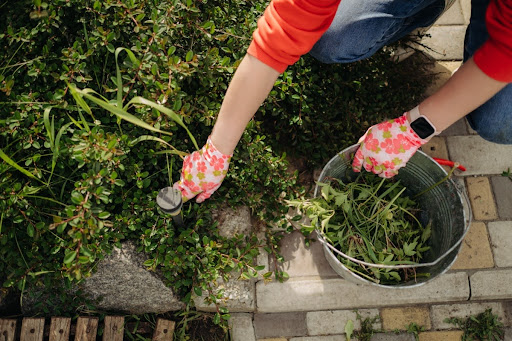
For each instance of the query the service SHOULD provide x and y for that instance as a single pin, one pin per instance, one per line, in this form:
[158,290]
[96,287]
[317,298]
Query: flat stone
[478,155]
[321,338]
[491,285]
[436,147]
[453,335]
[508,334]
[241,328]
[466,10]
[459,128]
[233,222]
[274,339]
[443,71]
[482,201]
[453,16]
[475,252]
[393,337]
[334,321]
[314,293]
[400,318]
[502,187]
[501,239]
[302,261]
[444,42]
[124,284]
[238,295]
[280,325]
[439,313]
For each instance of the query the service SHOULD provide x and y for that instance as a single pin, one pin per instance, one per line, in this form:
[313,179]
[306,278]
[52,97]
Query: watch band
[414,114]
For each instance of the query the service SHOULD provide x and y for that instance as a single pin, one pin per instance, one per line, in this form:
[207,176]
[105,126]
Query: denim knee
[493,120]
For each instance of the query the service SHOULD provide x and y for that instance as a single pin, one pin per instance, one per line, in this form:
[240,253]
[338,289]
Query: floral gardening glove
[202,172]
[386,147]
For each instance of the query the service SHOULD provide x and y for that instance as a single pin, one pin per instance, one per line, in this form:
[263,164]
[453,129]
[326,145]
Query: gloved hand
[386,147]
[202,172]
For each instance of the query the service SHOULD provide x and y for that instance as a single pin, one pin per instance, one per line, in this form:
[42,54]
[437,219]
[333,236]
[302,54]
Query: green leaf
[409,248]
[349,329]
[104,215]
[198,291]
[30,230]
[69,257]
[189,56]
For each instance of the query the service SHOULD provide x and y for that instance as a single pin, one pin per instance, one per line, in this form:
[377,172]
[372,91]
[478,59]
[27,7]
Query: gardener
[351,30]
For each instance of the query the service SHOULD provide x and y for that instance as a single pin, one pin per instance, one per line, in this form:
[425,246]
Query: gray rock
[124,284]
[233,222]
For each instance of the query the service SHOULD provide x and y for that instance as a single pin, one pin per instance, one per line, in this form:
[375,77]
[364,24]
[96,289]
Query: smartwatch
[422,125]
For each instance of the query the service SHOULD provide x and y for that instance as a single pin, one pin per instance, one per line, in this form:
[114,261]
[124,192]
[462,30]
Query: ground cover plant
[369,219]
[80,169]
[483,326]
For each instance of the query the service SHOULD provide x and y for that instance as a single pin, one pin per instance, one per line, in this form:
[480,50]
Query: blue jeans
[362,27]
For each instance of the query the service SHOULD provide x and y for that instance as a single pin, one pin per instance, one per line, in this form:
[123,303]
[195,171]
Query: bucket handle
[467,212]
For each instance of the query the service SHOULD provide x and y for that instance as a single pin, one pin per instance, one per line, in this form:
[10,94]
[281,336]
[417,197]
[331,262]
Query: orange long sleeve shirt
[289,28]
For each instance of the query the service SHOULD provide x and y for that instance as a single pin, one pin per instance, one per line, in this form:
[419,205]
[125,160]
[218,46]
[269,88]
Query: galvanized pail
[446,206]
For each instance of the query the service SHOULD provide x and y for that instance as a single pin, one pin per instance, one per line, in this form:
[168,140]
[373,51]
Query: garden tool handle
[444,162]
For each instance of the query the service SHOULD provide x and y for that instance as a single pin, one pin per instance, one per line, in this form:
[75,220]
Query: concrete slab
[478,155]
[459,128]
[491,285]
[501,239]
[313,294]
[302,261]
[482,201]
[241,328]
[466,10]
[321,338]
[439,313]
[444,42]
[502,188]
[334,321]
[393,337]
[400,318]
[453,16]
[280,325]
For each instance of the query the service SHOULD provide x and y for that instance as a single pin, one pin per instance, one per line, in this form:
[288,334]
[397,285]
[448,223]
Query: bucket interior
[444,206]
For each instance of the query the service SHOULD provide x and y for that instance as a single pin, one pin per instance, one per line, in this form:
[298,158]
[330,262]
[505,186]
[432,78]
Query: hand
[386,147]
[202,172]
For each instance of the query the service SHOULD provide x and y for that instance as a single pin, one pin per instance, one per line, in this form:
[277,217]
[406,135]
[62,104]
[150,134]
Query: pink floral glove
[386,147]
[202,172]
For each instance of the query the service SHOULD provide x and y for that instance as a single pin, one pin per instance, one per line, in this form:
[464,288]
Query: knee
[341,48]
[493,130]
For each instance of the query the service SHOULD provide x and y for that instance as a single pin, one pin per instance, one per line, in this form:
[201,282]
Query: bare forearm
[465,91]
[249,87]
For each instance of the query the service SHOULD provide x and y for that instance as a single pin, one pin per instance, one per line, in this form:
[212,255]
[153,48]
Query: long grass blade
[119,80]
[11,162]
[175,117]
[157,139]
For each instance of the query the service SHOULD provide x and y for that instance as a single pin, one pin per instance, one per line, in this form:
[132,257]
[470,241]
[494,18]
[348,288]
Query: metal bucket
[446,206]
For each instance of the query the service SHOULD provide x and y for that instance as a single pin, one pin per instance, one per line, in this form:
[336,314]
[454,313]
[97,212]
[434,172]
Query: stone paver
[453,16]
[454,335]
[443,71]
[491,285]
[320,338]
[466,10]
[280,325]
[334,321]
[501,240]
[478,155]
[439,313]
[400,318]
[392,337]
[502,188]
[238,294]
[482,201]
[241,328]
[444,42]
[313,294]
[302,261]
[475,252]
[436,147]
[274,339]
[457,129]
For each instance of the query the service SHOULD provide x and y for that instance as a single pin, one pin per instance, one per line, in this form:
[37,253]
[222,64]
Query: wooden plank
[32,329]
[7,329]
[59,328]
[164,330]
[86,328]
[114,328]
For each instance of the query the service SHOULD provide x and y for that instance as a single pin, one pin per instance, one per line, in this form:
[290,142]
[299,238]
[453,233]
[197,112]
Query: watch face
[422,127]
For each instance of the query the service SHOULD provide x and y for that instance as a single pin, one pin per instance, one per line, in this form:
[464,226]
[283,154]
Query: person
[335,31]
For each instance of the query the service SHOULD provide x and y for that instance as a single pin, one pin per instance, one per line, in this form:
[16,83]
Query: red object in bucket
[449,163]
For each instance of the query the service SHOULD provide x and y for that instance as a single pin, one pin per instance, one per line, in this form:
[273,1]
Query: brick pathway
[315,303]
